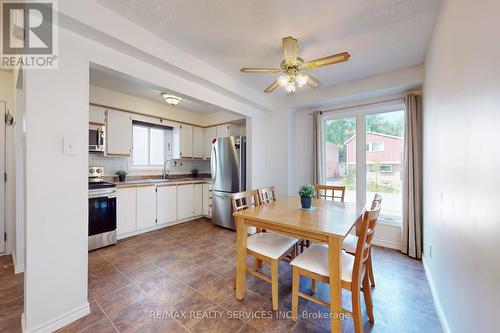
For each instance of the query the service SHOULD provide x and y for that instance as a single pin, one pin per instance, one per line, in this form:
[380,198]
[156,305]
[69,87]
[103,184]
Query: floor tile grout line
[100,307]
[143,291]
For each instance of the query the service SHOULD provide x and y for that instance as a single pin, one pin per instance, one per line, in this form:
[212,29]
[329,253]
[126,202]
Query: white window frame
[149,166]
[360,114]
[370,146]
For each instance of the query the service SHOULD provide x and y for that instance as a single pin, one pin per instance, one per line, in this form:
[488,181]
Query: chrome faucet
[165,173]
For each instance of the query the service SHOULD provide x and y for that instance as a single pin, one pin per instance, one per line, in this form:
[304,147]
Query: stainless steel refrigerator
[228,168]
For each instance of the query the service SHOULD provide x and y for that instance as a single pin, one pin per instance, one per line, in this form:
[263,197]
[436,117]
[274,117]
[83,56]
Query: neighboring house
[384,154]
[333,169]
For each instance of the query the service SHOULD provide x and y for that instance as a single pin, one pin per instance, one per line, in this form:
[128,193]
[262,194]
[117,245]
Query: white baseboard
[388,244]
[18,268]
[59,321]
[437,304]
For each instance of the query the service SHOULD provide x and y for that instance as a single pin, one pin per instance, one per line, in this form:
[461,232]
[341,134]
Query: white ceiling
[109,79]
[380,35]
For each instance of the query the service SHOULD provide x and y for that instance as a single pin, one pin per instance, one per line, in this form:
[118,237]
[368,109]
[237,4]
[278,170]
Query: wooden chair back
[244,200]
[365,238]
[330,192]
[267,195]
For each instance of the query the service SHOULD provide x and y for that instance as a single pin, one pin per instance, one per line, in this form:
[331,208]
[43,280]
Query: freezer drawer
[222,210]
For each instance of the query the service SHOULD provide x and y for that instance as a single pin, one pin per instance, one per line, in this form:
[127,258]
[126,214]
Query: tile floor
[180,279]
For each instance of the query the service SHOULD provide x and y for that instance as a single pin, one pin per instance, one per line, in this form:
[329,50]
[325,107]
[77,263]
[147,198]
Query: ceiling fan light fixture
[283,80]
[171,99]
[301,80]
[290,87]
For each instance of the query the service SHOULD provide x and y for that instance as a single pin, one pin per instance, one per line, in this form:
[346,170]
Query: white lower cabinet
[146,207]
[125,210]
[198,199]
[207,200]
[185,207]
[166,204]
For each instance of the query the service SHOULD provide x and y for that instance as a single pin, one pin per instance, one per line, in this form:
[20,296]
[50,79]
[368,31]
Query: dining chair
[350,241]
[330,192]
[325,192]
[268,247]
[267,195]
[313,263]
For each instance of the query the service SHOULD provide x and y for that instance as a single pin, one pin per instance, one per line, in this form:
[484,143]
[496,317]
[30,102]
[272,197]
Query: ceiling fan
[293,68]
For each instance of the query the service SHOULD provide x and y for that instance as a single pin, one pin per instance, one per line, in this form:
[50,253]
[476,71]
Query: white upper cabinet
[166,204]
[97,115]
[146,207]
[186,141]
[210,133]
[198,140]
[226,130]
[185,195]
[198,199]
[118,133]
[125,210]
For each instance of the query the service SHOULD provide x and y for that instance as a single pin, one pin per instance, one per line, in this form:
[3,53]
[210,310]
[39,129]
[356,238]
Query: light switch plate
[70,147]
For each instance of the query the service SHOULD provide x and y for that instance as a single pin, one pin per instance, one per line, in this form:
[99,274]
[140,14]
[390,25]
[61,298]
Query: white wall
[56,230]
[7,94]
[461,163]
[18,253]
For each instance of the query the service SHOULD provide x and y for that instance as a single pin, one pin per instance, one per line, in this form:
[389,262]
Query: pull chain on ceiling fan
[293,68]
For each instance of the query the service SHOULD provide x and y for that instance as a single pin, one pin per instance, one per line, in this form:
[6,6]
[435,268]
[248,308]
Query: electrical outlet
[430,251]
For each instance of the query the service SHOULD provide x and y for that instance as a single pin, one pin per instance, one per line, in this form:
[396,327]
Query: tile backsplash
[113,164]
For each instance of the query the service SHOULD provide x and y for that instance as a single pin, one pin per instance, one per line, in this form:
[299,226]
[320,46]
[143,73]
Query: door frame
[3,169]
[359,113]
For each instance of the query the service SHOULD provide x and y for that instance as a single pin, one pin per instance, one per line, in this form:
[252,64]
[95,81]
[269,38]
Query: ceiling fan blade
[271,87]
[312,81]
[325,61]
[260,70]
[290,49]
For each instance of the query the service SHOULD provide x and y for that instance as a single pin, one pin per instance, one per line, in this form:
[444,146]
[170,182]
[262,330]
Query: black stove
[100,185]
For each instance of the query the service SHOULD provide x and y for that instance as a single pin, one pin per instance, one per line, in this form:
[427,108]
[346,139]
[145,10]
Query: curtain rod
[390,98]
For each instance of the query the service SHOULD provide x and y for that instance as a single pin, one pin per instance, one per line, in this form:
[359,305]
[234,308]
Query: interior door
[2,181]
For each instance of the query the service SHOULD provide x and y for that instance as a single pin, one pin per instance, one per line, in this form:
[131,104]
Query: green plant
[121,173]
[307,191]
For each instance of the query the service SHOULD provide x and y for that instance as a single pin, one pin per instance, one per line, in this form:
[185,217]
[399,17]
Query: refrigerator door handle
[213,162]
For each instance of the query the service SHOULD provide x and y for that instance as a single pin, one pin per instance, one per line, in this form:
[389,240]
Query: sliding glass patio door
[363,150]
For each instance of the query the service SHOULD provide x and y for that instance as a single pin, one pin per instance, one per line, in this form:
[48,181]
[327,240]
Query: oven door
[102,215]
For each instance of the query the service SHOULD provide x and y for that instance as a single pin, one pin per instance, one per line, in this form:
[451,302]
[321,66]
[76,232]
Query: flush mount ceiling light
[293,68]
[171,99]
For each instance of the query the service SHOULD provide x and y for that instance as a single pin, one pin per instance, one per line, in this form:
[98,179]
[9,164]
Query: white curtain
[318,151]
[411,239]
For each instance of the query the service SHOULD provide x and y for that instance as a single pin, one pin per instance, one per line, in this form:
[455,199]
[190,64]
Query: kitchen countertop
[159,181]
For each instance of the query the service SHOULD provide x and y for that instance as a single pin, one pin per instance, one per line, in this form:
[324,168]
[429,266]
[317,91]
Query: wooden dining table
[326,222]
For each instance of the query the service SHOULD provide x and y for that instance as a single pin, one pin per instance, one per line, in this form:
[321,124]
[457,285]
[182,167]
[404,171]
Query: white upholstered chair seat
[270,244]
[350,242]
[315,260]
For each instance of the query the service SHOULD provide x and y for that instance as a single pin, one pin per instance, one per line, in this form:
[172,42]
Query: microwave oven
[97,136]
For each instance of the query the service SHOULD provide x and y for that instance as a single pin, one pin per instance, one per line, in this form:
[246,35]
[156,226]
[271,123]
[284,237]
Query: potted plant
[306,193]
[194,172]
[121,175]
